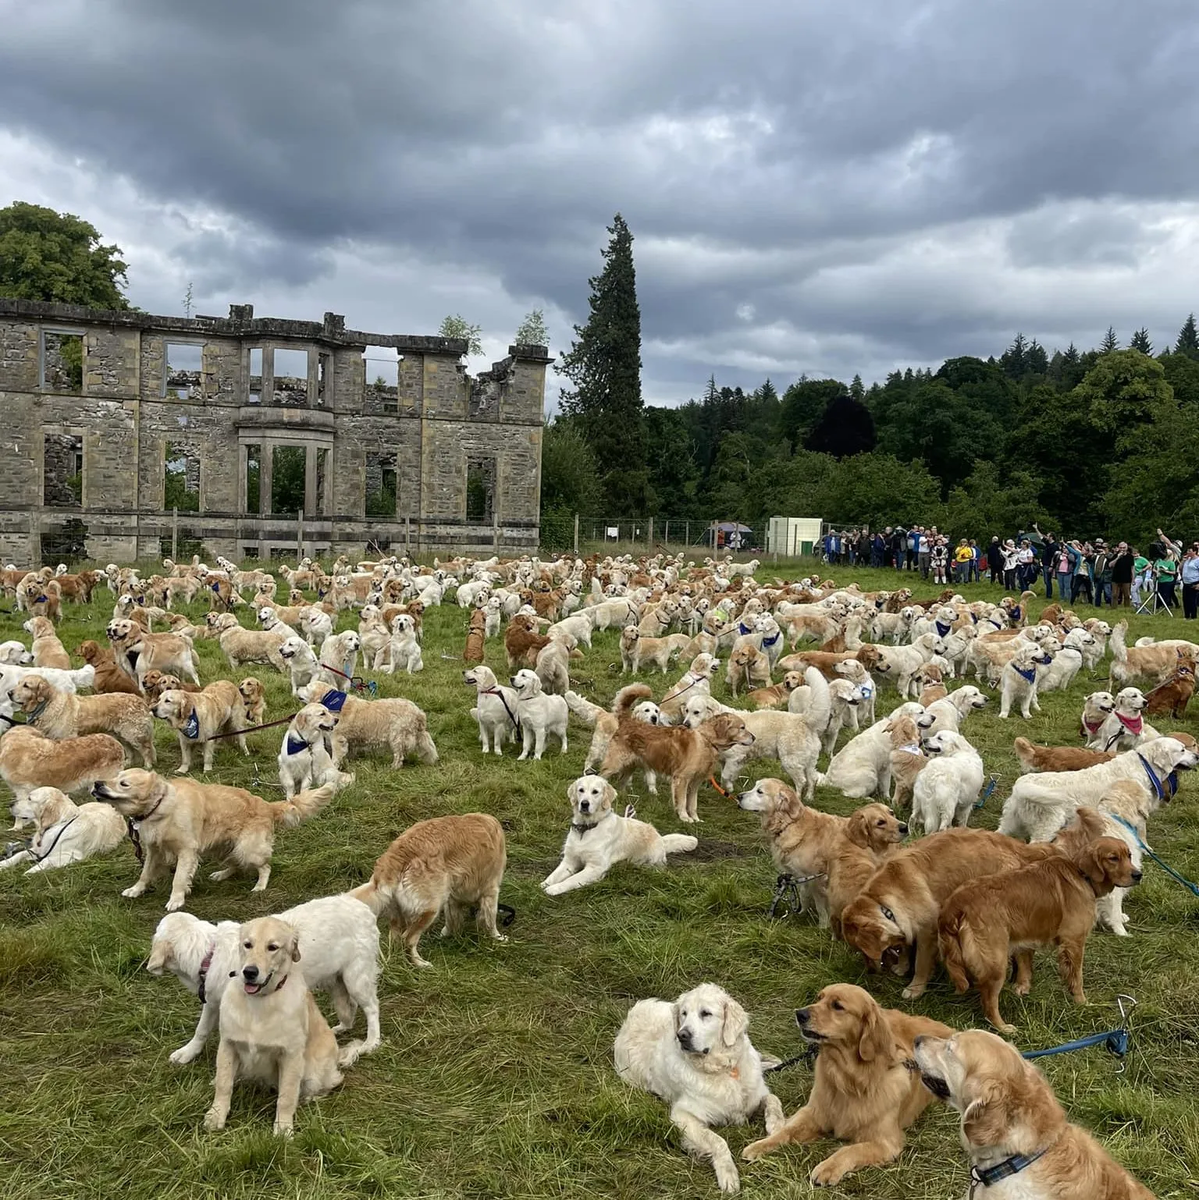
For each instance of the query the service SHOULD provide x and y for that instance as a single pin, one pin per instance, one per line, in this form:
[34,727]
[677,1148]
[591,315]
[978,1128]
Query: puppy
[304,758]
[444,863]
[696,1055]
[1057,758]
[947,789]
[1013,1130]
[64,832]
[339,941]
[1051,902]
[687,756]
[863,1090]
[253,701]
[61,715]
[300,661]
[48,651]
[109,677]
[538,714]
[197,717]
[475,638]
[495,709]
[180,819]
[361,724]
[271,1033]
[1018,680]
[901,902]
[804,841]
[599,838]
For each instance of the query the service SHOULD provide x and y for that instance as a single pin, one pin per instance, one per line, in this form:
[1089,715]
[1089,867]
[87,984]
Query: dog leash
[47,852]
[1169,870]
[1117,1041]
[216,737]
[355,681]
[788,885]
[991,783]
[806,1056]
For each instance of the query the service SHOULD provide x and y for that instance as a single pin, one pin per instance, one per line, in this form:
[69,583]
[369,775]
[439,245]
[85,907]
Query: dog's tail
[820,702]
[1026,753]
[679,843]
[1116,642]
[370,895]
[582,708]
[952,931]
[290,813]
[627,697]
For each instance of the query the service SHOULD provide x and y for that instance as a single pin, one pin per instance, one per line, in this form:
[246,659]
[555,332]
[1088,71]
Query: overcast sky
[813,187]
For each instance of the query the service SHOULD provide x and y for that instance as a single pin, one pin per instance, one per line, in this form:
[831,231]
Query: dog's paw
[213,1120]
[281,1130]
[184,1055]
[726,1177]
[913,992]
[183,770]
[175,903]
[756,1150]
[826,1174]
[132,893]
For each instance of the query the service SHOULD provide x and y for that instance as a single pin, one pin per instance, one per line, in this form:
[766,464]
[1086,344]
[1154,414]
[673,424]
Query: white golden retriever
[946,789]
[64,832]
[495,709]
[599,838]
[696,1055]
[1040,802]
[862,767]
[339,941]
[538,714]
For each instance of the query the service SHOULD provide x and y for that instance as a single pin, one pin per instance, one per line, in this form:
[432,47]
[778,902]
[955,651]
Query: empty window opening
[182,370]
[324,379]
[185,546]
[255,376]
[480,489]
[62,471]
[249,552]
[62,361]
[288,467]
[382,367]
[322,474]
[381,485]
[291,378]
[253,479]
[181,478]
[65,543]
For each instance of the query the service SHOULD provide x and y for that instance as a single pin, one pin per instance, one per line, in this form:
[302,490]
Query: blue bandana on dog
[334,701]
[295,745]
[192,728]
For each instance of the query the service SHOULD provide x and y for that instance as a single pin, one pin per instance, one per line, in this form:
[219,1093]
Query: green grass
[495,1075]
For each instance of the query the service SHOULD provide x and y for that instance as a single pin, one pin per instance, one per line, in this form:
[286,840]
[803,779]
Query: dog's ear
[1091,864]
[736,1022]
[857,830]
[609,793]
[572,791]
[986,1118]
[295,947]
[876,1040]
[1091,823]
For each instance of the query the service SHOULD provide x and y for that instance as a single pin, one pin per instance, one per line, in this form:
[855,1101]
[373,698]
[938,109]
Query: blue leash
[1169,870]
[986,792]
[1117,1041]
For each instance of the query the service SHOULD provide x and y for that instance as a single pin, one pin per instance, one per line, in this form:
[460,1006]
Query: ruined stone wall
[125,410]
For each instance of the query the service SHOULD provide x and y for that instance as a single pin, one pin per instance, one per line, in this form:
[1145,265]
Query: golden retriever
[253,699]
[108,676]
[804,841]
[1013,1127]
[29,760]
[178,820]
[901,902]
[448,864]
[197,717]
[60,714]
[1051,902]
[686,756]
[1057,758]
[907,759]
[48,650]
[271,1033]
[864,1091]
[696,1055]
[393,722]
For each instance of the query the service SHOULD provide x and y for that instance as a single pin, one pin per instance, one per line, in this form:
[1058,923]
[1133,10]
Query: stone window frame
[167,342]
[64,431]
[70,331]
[489,460]
[199,457]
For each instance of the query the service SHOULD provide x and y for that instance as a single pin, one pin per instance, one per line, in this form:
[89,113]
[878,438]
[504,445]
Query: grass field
[495,1076]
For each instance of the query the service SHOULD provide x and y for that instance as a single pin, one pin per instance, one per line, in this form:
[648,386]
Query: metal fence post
[174,535]
[300,534]
[576,533]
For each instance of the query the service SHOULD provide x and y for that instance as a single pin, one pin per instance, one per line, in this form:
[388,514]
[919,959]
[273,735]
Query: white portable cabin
[789,537]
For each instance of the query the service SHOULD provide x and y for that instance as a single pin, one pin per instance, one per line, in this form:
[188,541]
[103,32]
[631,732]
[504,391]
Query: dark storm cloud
[824,187]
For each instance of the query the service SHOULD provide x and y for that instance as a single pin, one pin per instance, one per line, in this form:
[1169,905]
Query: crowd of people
[1117,575]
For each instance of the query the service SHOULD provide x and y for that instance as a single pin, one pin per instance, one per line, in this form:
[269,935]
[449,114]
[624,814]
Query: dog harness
[334,701]
[988,1177]
[191,728]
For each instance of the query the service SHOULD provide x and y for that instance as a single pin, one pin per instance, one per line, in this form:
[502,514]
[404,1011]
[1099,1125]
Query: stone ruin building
[126,435]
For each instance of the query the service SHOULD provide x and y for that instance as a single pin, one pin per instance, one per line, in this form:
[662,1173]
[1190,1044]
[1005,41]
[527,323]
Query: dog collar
[867,690]
[1091,727]
[191,728]
[1015,613]
[334,700]
[1134,725]
[11,720]
[1158,787]
[32,715]
[1027,676]
[295,745]
[911,748]
[989,1176]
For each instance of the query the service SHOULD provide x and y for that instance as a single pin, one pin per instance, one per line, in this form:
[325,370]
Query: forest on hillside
[1102,441]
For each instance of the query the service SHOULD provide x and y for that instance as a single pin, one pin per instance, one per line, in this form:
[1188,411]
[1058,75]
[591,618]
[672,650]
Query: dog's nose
[684,1038]
[250,972]
[904,830]
[1137,876]
[584,805]
[803,1016]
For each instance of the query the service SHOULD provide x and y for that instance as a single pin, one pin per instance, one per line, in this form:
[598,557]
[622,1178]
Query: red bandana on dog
[1132,724]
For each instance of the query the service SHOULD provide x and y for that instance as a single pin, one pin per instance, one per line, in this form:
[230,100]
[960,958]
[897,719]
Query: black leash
[807,1056]
[509,914]
[46,853]
[788,885]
